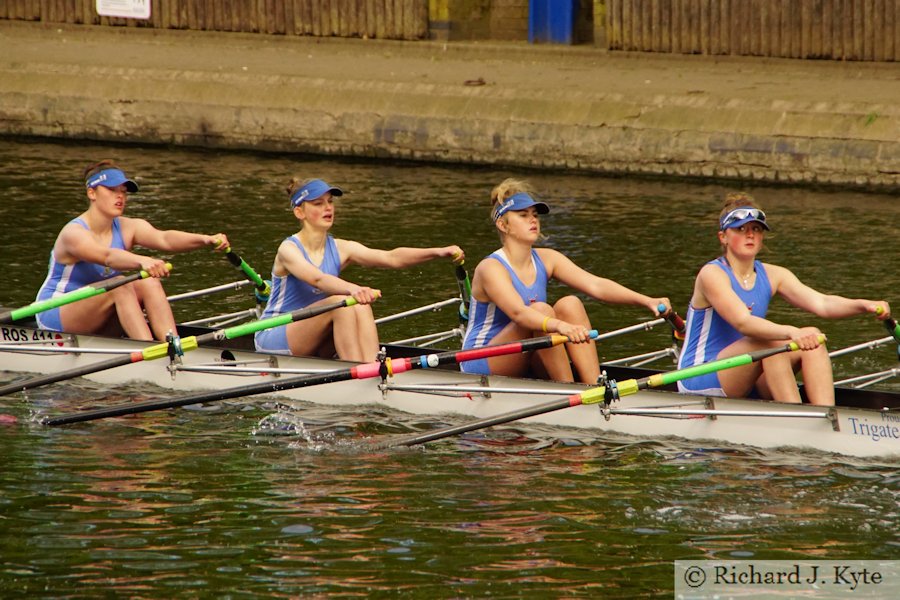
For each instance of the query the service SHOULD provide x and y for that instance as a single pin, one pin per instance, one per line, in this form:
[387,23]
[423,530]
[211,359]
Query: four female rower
[306,272]
[726,317]
[509,296]
[97,245]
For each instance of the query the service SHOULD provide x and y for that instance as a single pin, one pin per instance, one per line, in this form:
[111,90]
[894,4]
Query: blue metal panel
[552,21]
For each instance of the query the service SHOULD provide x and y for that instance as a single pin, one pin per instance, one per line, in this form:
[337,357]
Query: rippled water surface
[259,498]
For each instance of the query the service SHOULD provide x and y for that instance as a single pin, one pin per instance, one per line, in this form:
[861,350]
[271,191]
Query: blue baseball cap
[111,178]
[315,188]
[519,201]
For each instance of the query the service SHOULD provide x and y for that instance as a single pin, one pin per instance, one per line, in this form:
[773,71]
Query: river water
[254,498]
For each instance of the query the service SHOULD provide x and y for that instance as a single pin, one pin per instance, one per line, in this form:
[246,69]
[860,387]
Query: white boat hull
[845,430]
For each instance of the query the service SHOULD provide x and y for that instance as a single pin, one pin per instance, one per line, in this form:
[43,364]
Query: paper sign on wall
[130,9]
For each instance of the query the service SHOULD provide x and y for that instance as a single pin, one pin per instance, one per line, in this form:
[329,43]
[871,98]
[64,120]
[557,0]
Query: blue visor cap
[742,216]
[519,201]
[313,190]
[111,178]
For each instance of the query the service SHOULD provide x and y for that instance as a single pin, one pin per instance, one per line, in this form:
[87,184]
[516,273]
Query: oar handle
[263,287]
[678,327]
[465,290]
[277,321]
[81,293]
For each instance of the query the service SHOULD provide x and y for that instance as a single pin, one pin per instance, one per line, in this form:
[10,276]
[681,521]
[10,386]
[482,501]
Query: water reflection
[274,499]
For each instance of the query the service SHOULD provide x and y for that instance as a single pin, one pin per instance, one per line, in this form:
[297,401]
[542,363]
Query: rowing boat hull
[849,430]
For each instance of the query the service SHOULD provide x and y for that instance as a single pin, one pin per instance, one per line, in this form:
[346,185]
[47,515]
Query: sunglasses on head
[739,214]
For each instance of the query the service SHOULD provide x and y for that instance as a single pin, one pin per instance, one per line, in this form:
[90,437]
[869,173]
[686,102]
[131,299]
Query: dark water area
[258,498]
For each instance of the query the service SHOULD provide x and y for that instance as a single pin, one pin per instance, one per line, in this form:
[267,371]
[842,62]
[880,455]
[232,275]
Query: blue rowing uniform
[66,278]
[486,320]
[708,333]
[290,294]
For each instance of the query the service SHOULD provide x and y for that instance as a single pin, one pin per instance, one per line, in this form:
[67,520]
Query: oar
[607,393]
[465,291]
[88,291]
[263,288]
[679,330]
[362,371]
[892,328]
[183,345]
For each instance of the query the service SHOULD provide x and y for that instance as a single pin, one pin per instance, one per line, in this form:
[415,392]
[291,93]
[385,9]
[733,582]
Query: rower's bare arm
[715,285]
[77,244]
[400,258]
[292,261]
[173,240]
[492,283]
[828,306]
[562,268]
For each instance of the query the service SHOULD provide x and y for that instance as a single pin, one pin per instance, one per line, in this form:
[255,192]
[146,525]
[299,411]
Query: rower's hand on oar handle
[576,333]
[679,329]
[365,295]
[456,254]
[881,309]
[808,338]
[219,242]
[660,306]
[155,267]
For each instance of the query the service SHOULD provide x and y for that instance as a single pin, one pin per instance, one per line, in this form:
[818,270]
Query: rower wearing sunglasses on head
[726,317]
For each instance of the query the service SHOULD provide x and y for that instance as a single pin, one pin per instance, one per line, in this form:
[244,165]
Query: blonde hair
[295,184]
[503,190]
[735,200]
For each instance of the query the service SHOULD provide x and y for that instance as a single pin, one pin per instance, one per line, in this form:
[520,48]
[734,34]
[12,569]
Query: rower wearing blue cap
[509,296]
[307,270]
[97,245]
[727,317]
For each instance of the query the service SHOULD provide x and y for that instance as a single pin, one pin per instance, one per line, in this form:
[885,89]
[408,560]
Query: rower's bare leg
[583,356]
[131,313]
[818,377]
[307,336]
[367,332]
[511,365]
[355,333]
[92,315]
[552,363]
[737,382]
[779,380]
[152,296]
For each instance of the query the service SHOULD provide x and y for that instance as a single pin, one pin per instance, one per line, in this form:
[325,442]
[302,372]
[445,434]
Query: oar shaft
[363,371]
[893,328]
[537,409]
[596,395]
[465,291]
[213,396]
[248,271]
[81,293]
[28,384]
[162,350]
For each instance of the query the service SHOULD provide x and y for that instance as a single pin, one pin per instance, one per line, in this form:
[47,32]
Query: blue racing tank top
[65,278]
[486,320]
[707,333]
[289,293]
